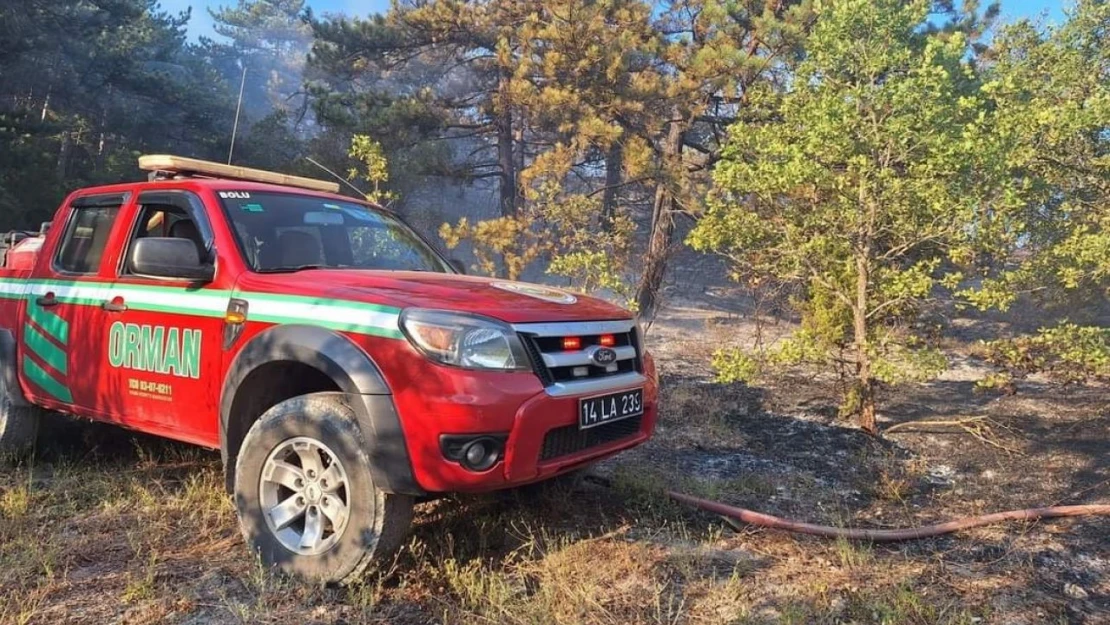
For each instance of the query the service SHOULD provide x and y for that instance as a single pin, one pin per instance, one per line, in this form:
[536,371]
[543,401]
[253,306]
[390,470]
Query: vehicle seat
[186,229]
[299,248]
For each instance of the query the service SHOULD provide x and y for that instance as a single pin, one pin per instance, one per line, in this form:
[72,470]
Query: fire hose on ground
[888,535]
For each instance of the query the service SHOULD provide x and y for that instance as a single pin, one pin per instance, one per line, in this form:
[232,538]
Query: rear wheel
[19,425]
[306,499]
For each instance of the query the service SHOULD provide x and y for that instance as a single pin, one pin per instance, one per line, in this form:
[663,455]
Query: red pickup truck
[342,367]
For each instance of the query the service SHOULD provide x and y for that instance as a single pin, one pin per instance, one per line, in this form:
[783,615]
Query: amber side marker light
[234,320]
[571,343]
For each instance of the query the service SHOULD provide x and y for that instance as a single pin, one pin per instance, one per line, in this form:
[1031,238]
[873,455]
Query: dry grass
[153,539]
[107,527]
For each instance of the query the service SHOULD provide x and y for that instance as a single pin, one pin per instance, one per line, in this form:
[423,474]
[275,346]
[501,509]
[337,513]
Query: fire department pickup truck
[343,368]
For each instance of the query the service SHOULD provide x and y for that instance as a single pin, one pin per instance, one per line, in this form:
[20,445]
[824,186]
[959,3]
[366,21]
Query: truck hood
[513,302]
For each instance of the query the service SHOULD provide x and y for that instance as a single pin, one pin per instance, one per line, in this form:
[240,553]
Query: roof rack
[164,166]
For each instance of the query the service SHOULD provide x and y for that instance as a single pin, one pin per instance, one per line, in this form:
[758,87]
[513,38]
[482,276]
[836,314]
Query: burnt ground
[1043,446]
[106,526]
[953,451]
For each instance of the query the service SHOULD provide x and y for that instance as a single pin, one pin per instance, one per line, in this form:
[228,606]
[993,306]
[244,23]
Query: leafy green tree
[1052,89]
[375,168]
[1053,93]
[874,178]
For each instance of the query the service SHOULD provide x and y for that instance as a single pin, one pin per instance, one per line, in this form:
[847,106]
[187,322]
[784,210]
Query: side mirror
[458,265]
[168,257]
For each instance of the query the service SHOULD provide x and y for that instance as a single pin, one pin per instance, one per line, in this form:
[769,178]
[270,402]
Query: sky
[201,24]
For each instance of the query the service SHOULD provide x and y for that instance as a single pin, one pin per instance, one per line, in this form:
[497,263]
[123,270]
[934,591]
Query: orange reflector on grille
[572,342]
[607,340]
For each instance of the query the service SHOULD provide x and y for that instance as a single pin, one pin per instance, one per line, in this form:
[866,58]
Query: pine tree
[717,53]
[270,40]
[84,86]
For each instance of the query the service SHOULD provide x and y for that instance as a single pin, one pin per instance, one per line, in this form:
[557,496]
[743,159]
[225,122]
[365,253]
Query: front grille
[569,440]
[553,364]
[537,360]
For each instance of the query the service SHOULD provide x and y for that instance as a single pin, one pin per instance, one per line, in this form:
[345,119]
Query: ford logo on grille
[603,356]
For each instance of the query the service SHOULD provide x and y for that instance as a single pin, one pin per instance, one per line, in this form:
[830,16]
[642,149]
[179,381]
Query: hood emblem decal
[602,356]
[546,293]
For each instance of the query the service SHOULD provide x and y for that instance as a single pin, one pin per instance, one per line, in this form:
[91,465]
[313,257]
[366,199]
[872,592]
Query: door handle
[47,300]
[114,305]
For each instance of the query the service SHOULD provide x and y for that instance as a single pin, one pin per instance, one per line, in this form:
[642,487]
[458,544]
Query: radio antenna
[238,109]
[361,193]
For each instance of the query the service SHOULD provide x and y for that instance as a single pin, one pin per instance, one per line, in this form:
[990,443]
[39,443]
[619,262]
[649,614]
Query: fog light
[475,452]
[481,454]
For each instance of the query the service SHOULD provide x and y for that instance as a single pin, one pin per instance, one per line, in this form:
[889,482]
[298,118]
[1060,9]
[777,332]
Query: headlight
[463,340]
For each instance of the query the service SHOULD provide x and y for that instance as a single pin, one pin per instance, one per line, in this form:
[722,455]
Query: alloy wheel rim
[305,495]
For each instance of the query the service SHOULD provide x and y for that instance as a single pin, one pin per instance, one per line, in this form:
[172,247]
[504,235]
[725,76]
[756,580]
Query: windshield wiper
[291,269]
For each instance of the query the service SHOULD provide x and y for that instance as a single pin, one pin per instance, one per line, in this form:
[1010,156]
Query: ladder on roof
[179,166]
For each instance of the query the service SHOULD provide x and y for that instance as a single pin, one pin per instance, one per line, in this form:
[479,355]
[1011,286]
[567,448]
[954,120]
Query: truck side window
[163,220]
[85,236]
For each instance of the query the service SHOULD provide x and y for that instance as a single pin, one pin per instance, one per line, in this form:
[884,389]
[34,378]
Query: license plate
[594,411]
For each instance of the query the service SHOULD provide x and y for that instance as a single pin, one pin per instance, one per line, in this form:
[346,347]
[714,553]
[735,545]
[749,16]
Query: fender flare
[357,376]
[9,368]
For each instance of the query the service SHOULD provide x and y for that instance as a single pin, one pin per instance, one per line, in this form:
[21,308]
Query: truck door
[164,345]
[62,337]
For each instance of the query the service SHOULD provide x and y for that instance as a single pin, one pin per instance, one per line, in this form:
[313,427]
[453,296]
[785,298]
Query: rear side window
[85,238]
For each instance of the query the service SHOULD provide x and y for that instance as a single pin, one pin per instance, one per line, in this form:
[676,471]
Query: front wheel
[306,499]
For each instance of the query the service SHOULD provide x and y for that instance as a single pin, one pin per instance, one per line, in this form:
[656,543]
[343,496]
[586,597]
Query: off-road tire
[377,522]
[19,425]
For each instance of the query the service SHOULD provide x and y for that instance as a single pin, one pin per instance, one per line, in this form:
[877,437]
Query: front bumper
[519,408]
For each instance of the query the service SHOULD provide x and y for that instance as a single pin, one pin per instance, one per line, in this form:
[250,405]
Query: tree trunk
[62,166]
[655,262]
[865,385]
[518,139]
[614,160]
[662,225]
[505,155]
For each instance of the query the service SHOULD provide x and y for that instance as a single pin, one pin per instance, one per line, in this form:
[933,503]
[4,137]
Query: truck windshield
[288,232]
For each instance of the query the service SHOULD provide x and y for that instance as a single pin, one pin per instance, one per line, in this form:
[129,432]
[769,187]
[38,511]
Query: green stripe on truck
[48,352]
[37,375]
[54,325]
